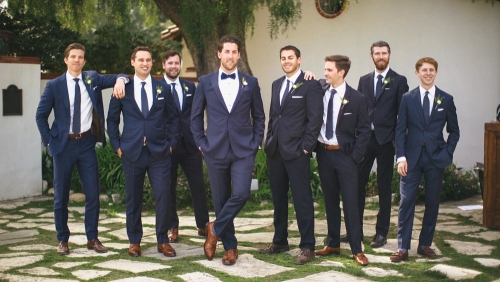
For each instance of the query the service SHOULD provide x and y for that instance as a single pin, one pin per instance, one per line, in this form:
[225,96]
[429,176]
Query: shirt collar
[294,77]
[137,80]
[235,72]
[340,89]
[70,77]
[170,82]
[384,73]
[432,91]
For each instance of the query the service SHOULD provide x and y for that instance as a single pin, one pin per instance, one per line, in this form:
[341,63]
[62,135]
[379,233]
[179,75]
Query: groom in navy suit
[422,150]
[149,135]
[235,128]
[76,99]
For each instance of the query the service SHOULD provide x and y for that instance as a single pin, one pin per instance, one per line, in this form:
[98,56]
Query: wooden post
[491,202]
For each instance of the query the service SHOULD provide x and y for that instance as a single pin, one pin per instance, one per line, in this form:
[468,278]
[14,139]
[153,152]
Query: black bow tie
[225,75]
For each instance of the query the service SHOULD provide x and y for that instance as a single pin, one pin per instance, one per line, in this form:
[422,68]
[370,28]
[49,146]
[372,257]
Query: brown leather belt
[329,147]
[79,135]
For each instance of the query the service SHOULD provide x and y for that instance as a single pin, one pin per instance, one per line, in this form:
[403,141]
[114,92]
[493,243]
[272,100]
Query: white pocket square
[345,114]
[440,109]
[387,88]
[161,98]
[187,95]
[297,97]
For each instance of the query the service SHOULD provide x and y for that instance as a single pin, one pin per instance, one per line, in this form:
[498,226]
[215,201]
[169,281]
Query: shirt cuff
[401,159]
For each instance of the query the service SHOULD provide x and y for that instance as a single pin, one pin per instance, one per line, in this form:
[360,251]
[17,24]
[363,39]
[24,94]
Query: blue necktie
[379,86]
[176,98]
[329,116]
[426,106]
[144,100]
[225,75]
[287,89]
[76,108]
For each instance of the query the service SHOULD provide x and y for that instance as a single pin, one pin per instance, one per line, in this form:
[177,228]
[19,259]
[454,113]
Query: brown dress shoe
[274,249]
[230,257]
[202,232]
[210,242]
[399,256]
[173,235]
[360,259]
[426,252]
[63,248]
[328,251]
[305,256]
[134,250]
[97,246]
[167,250]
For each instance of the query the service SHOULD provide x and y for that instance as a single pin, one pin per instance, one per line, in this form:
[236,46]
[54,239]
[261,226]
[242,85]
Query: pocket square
[387,88]
[296,97]
[440,109]
[345,114]
[161,98]
[187,95]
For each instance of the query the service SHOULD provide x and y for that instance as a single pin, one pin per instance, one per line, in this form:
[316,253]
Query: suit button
[279,116]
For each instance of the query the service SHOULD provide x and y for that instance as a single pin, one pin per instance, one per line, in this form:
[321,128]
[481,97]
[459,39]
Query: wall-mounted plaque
[12,101]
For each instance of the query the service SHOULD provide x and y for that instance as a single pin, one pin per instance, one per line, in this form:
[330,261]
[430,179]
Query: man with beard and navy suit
[383,89]
[421,150]
[149,135]
[186,153]
[295,118]
[76,99]
[342,142]
[235,128]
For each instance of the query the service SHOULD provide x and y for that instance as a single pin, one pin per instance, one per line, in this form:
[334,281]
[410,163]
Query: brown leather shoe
[274,249]
[210,242]
[167,250]
[399,256]
[426,252]
[202,232]
[305,256]
[63,248]
[328,251]
[230,257]
[134,250]
[360,259]
[97,246]
[173,235]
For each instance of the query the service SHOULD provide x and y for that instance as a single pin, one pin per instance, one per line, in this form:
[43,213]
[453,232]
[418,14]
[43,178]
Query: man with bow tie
[235,129]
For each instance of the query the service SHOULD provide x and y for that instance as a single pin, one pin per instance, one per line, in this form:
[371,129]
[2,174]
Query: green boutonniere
[159,89]
[88,80]
[438,100]
[185,87]
[387,80]
[297,85]
[244,82]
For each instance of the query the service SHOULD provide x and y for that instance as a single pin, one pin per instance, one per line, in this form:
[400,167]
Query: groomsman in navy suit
[149,135]
[421,150]
[383,89]
[342,142]
[295,118]
[76,99]
[186,153]
[235,128]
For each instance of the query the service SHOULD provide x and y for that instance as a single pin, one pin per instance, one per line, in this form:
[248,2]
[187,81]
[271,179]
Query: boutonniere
[343,101]
[438,100]
[387,80]
[297,85]
[243,82]
[88,80]
[159,89]
[185,87]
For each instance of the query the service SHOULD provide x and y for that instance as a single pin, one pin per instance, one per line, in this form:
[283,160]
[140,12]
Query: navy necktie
[76,108]
[287,89]
[176,97]
[329,116]
[426,106]
[144,100]
[379,86]
[225,75]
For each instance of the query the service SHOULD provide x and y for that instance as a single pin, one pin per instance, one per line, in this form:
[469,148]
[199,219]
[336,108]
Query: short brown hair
[428,60]
[228,39]
[170,53]
[140,48]
[341,62]
[291,48]
[73,46]
[380,44]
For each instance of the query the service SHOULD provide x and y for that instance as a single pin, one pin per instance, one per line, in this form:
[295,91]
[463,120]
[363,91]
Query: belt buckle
[78,136]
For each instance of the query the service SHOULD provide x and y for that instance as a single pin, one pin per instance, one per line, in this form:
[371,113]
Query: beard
[381,64]
[172,74]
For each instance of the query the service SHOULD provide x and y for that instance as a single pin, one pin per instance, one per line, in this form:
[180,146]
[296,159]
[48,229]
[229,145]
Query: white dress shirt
[86,103]
[229,88]
[292,79]
[138,88]
[337,103]
[178,88]
[375,78]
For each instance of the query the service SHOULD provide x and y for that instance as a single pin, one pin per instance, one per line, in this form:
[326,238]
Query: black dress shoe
[378,241]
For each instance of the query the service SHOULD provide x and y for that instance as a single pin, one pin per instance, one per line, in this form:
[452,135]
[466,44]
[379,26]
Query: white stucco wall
[20,155]
[464,38]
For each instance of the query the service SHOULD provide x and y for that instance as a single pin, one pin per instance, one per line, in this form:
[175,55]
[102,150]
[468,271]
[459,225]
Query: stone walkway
[465,250]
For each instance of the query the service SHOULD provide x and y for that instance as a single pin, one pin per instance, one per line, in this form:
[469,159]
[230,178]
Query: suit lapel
[130,89]
[240,88]
[418,104]
[275,99]
[215,85]
[181,82]
[347,96]
[89,88]
[371,91]
[288,97]
[388,76]
[63,90]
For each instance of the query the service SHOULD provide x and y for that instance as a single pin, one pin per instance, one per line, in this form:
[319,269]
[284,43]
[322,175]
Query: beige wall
[20,155]
[464,38]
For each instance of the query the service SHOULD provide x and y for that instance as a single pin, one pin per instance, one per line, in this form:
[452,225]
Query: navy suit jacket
[188,91]
[295,125]
[242,129]
[384,109]
[353,124]
[159,126]
[412,132]
[56,97]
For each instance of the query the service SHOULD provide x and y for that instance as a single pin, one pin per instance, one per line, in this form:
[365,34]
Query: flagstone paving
[455,273]
[90,274]
[199,276]
[331,276]
[470,248]
[379,272]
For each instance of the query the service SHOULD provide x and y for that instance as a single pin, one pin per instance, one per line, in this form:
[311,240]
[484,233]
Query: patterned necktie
[77,107]
[426,106]
[144,100]
[329,116]
[225,75]
[286,91]
[379,86]
[176,98]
